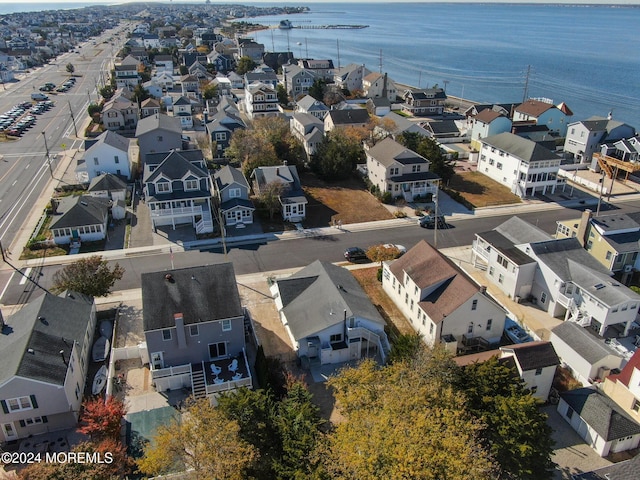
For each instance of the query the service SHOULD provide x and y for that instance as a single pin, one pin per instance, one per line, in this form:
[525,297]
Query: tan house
[624,387]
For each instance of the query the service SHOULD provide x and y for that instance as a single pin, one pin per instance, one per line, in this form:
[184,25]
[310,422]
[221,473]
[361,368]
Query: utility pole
[46,147]
[4,259]
[445,82]
[526,84]
[73,119]
[600,195]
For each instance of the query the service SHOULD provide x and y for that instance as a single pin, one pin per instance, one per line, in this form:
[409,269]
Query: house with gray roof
[178,190]
[232,190]
[625,470]
[182,109]
[602,424]
[110,187]
[292,200]
[261,100]
[45,357]
[309,129]
[536,363]
[120,112]
[400,171]
[221,125]
[310,105]
[350,77]
[158,133]
[420,103]
[585,137]
[193,325]
[587,356]
[109,153]
[522,165]
[81,218]
[297,80]
[126,73]
[442,303]
[349,117]
[328,316]
[394,125]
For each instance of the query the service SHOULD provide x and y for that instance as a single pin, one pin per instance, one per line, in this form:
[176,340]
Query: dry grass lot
[346,200]
[481,191]
[367,278]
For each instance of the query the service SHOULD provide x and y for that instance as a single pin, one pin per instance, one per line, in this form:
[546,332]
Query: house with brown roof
[536,363]
[441,302]
[544,112]
[489,122]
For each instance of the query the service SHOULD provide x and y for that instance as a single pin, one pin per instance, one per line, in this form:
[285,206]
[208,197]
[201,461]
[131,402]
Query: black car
[430,221]
[355,254]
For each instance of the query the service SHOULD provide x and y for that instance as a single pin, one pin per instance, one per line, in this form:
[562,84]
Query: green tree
[405,347]
[204,440]
[251,151]
[92,109]
[107,92]
[184,70]
[381,253]
[283,96]
[140,94]
[429,148]
[244,65]
[337,155]
[318,89]
[90,276]
[70,68]
[210,91]
[516,431]
[269,196]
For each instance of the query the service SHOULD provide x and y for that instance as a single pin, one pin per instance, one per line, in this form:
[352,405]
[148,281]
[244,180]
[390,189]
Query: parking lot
[23,116]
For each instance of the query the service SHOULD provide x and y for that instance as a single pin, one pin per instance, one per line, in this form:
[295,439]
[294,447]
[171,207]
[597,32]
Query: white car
[401,248]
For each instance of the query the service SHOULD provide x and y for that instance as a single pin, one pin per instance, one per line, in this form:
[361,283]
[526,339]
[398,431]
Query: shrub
[386,198]
[379,275]
[399,214]
[418,212]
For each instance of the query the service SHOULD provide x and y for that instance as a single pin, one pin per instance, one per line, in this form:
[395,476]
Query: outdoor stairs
[205,225]
[197,384]
[605,166]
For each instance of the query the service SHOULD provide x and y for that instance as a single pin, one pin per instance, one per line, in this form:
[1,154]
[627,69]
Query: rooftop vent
[31,351]
[169,278]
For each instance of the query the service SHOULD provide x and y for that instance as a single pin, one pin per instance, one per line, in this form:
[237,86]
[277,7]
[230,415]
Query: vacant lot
[347,201]
[397,323]
[481,191]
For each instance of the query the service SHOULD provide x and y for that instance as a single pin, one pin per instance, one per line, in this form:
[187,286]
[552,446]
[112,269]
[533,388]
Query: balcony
[227,374]
[481,250]
[176,212]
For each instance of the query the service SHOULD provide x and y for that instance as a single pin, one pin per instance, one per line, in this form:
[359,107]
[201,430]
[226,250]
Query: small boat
[100,349]
[515,332]
[106,328]
[99,380]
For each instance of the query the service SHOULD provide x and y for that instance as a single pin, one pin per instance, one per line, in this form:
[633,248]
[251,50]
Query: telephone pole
[46,147]
[526,84]
[73,119]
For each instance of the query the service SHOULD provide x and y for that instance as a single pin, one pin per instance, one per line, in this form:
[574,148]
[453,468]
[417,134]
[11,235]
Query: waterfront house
[194,330]
[584,137]
[232,190]
[419,103]
[109,153]
[80,218]
[158,133]
[377,85]
[523,166]
[178,189]
[309,130]
[402,172]
[45,354]
[248,48]
[321,68]
[602,424]
[544,112]
[292,200]
[613,240]
[350,77]
[586,355]
[328,316]
[442,303]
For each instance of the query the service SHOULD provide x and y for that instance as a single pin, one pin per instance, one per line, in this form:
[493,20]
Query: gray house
[80,218]
[328,316]
[45,353]
[158,133]
[233,194]
[292,200]
[194,328]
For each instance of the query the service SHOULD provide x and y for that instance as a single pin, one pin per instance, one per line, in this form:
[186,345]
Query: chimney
[583,226]
[182,341]
[483,289]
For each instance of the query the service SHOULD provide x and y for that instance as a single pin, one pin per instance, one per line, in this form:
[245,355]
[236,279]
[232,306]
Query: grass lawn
[481,191]
[347,200]
[397,323]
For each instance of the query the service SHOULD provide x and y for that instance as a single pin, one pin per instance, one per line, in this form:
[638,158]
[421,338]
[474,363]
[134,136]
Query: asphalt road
[291,253]
[24,170]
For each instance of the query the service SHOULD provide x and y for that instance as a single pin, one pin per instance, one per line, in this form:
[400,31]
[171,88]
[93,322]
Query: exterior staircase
[205,225]
[197,384]
[604,165]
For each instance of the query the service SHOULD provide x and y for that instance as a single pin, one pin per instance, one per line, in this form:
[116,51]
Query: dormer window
[190,185]
[163,187]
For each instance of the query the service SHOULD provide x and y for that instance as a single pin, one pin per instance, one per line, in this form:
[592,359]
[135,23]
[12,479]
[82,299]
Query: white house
[402,172]
[308,129]
[441,302]
[522,165]
[328,317]
[182,110]
[81,218]
[310,105]
[602,424]
[536,363]
[585,136]
[110,153]
[261,100]
[377,85]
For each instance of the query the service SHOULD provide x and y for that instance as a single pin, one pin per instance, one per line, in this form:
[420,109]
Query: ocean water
[585,56]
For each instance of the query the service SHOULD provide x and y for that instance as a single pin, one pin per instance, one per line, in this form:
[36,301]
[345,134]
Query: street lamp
[46,147]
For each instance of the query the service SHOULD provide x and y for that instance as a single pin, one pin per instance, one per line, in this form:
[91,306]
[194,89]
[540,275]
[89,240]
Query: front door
[9,431]
[157,361]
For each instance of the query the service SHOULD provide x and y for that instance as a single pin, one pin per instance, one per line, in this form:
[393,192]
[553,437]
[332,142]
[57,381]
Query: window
[474,305]
[636,406]
[569,412]
[166,334]
[430,328]
[116,159]
[489,322]
[470,329]
[500,278]
[221,136]
[21,403]
[539,371]
[217,350]
[234,193]
[96,161]
[499,166]
[608,256]
[226,325]
[159,138]
[191,185]
[163,187]
[411,308]
[491,270]
[491,161]
[335,338]
[406,298]
[543,297]
[194,331]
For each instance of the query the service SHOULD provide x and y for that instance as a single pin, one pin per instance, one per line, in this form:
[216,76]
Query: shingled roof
[601,413]
[533,355]
[519,147]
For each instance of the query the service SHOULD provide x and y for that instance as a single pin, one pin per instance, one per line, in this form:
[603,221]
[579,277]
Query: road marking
[23,280]
[14,182]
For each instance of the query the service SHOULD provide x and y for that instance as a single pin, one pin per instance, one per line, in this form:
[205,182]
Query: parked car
[430,221]
[400,248]
[39,96]
[355,254]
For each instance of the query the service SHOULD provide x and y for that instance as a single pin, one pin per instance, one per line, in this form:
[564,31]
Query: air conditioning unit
[627,268]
